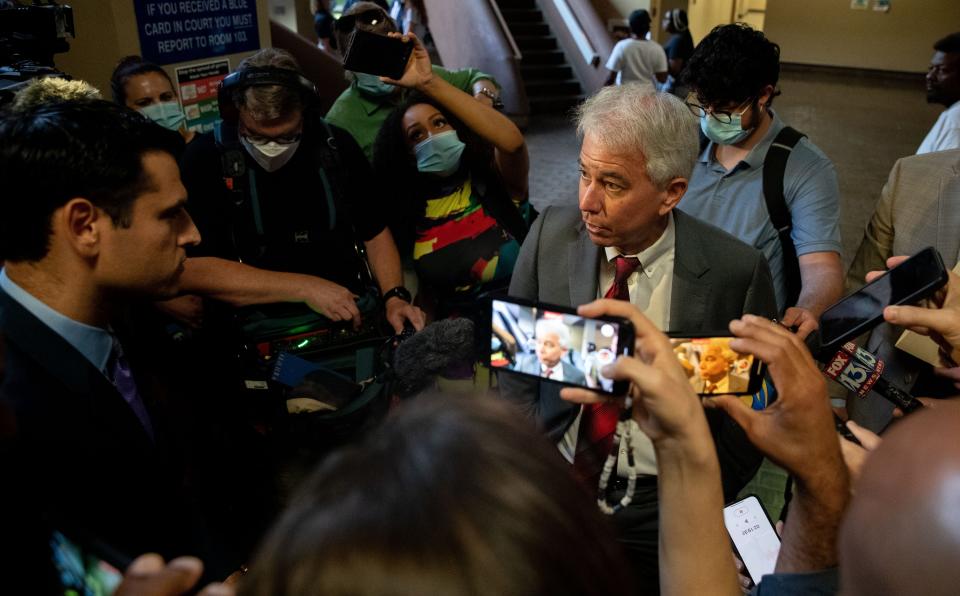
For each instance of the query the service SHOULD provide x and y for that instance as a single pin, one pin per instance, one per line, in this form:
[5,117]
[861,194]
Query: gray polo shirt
[734,201]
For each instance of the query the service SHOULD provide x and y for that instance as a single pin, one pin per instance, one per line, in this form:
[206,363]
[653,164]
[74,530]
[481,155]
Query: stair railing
[474,34]
[583,36]
[589,53]
[506,30]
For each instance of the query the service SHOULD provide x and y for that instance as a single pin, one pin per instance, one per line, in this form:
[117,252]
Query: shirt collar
[651,257]
[93,342]
[755,158]
[370,105]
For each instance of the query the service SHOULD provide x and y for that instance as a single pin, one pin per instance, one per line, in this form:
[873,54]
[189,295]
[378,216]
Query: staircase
[551,85]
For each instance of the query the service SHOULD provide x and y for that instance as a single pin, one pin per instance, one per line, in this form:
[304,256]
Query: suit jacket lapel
[688,298]
[584,260]
[948,228]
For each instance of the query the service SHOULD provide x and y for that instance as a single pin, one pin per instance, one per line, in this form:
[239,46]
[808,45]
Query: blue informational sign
[183,30]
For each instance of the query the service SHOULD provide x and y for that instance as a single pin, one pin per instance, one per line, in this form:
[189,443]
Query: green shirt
[362,116]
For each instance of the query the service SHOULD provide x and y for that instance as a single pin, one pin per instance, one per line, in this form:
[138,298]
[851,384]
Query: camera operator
[306,198]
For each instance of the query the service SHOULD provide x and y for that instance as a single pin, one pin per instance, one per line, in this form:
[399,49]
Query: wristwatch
[400,292]
[494,97]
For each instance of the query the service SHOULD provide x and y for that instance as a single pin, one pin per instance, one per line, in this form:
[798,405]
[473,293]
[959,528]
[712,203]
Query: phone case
[743,380]
[375,54]
[625,342]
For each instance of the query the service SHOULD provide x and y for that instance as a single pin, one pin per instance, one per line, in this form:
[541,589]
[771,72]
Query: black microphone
[429,352]
[861,371]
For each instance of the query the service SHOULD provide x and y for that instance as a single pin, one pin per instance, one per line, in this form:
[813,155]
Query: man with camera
[287,204]
[627,241]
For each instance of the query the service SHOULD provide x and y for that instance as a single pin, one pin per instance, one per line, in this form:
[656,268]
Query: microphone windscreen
[431,351]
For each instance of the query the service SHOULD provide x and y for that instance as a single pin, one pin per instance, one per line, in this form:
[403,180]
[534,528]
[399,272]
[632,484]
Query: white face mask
[271,155]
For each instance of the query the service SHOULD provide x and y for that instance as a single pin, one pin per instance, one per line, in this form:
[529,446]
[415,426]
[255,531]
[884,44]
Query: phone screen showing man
[555,346]
[753,536]
[713,367]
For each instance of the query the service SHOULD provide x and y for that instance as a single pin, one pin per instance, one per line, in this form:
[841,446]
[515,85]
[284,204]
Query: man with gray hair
[553,345]
[627,242]
[283,199]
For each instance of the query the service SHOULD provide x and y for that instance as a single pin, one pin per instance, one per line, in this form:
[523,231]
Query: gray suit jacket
[716,278]
[531,364]
[919,207]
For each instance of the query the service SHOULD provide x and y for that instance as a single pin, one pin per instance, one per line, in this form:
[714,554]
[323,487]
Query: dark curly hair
[732,64]
[395,163]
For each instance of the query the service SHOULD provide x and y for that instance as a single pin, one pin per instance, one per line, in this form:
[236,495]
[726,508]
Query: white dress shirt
[555,374]
[945,133]
[651,290]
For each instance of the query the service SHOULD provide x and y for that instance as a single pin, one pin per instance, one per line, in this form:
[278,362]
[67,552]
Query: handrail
[590,55]
[506,30]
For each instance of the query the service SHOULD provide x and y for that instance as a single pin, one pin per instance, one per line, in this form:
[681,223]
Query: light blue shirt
[733,201]
[93,342]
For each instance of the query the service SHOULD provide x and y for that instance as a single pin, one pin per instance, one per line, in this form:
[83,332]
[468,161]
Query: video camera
[30,36]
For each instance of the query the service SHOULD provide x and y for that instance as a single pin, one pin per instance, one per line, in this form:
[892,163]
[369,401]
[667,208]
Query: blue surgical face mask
[440,154]
[724,133]
[167,114]
[372,85]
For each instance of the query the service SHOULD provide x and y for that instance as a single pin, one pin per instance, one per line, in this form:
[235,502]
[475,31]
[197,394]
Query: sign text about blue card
[182,30]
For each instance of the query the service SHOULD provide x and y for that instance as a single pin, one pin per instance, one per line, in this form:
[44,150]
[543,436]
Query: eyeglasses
[284,140]
[370,18]
[287,139]
[719,115]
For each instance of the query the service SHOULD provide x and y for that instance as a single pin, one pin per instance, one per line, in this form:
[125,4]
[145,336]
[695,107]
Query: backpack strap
[329,157]
[330,168]
[774,166]
[241,184]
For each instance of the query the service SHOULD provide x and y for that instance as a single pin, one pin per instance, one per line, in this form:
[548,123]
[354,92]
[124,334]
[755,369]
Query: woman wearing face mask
[145,87]
[460,170]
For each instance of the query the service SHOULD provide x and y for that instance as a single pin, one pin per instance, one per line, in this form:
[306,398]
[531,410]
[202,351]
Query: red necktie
[598,422]
[625,268]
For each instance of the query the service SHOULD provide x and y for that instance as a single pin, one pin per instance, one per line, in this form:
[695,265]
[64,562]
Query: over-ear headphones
[260,76]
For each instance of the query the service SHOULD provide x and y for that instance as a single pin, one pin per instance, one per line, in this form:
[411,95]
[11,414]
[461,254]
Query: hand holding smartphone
[915,279]
[753,536]
[555,344]
[375,54]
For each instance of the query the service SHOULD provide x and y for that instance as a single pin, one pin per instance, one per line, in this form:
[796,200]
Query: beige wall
[827,32]
[107,31]
[704,15]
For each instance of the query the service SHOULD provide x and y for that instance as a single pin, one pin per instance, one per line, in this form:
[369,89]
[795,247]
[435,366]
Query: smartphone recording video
[555,344]
[375,54]
[715,369]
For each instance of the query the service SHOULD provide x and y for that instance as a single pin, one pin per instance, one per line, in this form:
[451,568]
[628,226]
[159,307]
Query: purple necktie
[118,371]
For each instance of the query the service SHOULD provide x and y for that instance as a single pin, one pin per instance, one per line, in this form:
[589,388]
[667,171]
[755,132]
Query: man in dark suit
[553,345]
[627,242]
[93,218]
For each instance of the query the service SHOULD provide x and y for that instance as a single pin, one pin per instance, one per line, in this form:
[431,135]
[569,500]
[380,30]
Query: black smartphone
[845,432]
[715,369]
[915,279]
[85,565]
[376,54]
[753,536]
[554,343]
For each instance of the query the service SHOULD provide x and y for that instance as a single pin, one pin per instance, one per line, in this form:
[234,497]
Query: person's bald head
[901,534]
